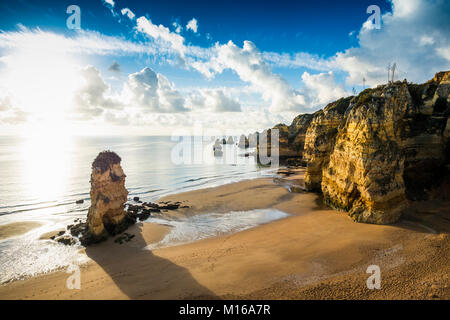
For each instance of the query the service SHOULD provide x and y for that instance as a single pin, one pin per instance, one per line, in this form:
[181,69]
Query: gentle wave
[205,226]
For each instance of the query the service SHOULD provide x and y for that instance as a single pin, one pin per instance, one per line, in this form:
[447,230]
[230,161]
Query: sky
[159,67]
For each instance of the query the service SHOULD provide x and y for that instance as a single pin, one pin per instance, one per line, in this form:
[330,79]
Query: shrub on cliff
[105,159]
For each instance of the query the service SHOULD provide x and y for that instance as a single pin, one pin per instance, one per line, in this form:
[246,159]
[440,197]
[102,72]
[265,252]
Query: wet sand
[316,253]
[17,228]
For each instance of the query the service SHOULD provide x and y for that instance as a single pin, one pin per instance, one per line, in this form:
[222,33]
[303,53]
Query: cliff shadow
[431,216]
[140,274]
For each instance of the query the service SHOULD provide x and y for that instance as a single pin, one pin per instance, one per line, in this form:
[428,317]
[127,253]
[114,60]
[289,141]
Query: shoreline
[316,252]
[14,229]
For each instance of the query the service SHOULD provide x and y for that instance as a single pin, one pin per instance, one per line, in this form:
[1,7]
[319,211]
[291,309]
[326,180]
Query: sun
[43,79]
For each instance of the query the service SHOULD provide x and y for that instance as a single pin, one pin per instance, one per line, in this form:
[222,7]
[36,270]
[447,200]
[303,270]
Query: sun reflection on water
[46,164]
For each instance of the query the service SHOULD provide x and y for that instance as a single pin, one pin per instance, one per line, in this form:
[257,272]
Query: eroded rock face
[291,139]
[320,139]
[253,139]
[297,131]
[108,195]
[424,137]
[243,142]
[389,147]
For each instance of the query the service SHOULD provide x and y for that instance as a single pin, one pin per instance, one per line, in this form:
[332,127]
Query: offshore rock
[106,215]
[217,148]
[253,139]
[243,142]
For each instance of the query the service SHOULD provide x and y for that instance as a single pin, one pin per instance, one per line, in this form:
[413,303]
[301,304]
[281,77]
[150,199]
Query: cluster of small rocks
[145,209]
[125,237]
[286,171]
[134,213]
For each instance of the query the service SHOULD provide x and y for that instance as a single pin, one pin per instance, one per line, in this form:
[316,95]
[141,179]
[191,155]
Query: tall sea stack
[108,195]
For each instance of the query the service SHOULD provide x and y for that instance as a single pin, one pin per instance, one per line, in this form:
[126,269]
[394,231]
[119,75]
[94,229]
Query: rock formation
[371,154]
[243,142]
[291,138]
[388,146]
[230,140]
[297,132]
[319,141]
[217,148]
[106,214]
[253,139]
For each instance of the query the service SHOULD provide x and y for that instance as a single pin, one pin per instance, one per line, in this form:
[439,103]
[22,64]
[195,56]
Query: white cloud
[128,13]
[213,100]
[121,119]
[177,26]
[298,60]
[110,2]
[5,103]
[250,66]
[87,42]
[94,96]
[416,35]
[322,88]
[153,92]
[10,114]
[192,25]
[161,33]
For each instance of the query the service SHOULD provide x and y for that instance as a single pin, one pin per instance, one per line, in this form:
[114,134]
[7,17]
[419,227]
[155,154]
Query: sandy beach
[17,228]
[315,253]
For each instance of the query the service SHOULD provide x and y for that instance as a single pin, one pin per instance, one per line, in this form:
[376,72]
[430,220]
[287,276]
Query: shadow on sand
[140,274]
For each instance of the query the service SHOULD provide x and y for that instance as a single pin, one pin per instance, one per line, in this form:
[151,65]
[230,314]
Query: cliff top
[441,76]
[105,159]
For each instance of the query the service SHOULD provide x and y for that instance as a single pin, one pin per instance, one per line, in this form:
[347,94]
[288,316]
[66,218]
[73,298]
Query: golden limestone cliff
[319,141]
[373,153]
[291,139]
[108,195]
[390,147]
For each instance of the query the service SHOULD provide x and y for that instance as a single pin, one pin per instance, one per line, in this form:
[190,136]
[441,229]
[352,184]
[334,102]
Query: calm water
[42,178]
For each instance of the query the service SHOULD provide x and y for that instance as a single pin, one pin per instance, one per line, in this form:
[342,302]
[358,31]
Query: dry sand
[316,253]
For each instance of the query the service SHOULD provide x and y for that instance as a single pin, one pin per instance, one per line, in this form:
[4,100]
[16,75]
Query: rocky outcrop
[320,139]
[106,214]
[297,132]
[371,154]
[291,139]
[217,148]
[243,142]
[389,147]
[423,135]
[253,139]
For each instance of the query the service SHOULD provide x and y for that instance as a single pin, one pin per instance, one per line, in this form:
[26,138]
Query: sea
[42,179]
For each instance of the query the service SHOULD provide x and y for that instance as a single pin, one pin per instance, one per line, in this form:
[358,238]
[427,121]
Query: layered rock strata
[319,141]
[389,148]
[291,139]
[371,154]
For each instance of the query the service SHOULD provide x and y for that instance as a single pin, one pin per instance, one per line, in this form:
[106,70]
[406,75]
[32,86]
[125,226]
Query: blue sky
[242,65]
